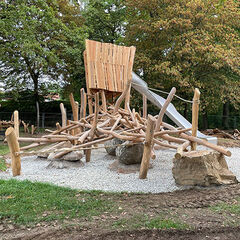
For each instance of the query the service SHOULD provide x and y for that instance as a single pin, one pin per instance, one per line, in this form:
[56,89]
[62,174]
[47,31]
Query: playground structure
[109,78]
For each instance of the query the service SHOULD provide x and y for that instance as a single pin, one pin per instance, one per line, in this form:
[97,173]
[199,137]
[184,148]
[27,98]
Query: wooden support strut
[14,150]
[147,147]
[64,115]
[164,108]
[16,123]
[195,109]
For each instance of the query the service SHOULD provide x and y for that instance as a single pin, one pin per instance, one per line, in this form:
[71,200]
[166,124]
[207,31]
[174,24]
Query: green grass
[24,202]
[143,221]
[3,150]
[229,208]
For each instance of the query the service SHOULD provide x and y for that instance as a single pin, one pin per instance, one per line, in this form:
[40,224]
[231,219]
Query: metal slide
[142,87]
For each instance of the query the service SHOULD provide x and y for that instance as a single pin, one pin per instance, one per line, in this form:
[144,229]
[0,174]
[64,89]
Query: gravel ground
[95,175]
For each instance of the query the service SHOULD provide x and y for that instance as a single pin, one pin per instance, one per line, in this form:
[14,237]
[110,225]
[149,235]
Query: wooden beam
[147,147]
[164,108]
[64,115]
[16,123]
[14,150]
[195,109]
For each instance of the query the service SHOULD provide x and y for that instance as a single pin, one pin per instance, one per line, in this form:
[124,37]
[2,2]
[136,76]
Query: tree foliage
[105,20]
[39,40]
[188,44]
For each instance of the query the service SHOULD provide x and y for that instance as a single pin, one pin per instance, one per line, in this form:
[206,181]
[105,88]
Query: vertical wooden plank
[147,147]
[90,81]
[14,150]
[195,109]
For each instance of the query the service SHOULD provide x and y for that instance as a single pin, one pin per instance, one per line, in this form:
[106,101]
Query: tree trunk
[36,96]
[225,116]
[205,120]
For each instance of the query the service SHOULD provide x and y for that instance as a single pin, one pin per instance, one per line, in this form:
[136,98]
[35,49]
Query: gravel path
[95,175]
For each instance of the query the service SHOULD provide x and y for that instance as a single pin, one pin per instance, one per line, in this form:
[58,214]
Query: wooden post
[32,129]
[16,123]
[104,102]
[164,108]
[64,115]
[88,155]
[14,149]
[147,147]
[195,109]
[144,106]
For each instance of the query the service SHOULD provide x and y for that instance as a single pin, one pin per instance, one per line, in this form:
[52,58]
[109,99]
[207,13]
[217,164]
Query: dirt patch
[133,212]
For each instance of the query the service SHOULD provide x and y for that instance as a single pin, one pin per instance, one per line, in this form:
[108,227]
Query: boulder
[111,145]
[72,156]
[130,153]
[202,168]
[60,164]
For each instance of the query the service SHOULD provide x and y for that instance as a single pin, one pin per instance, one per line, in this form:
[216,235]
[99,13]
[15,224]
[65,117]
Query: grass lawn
[3,150]
[24,202]
[28,203]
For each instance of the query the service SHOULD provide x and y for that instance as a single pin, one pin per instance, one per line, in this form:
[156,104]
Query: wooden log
[104,102]
[88,155]
[33,129]
[33,145]
[127,97]
[195,109]
[122,96]
[58,126]
[64,115]
[39,140]
[207,144]
[147,147]
[156,141]
[16,123]
[83,103]
[14,150]
[157,134]
[181,148]
[82,146]
[25,126]
[116,123]
[74,106]
[164,108]
[144,106]
[172,139]
[95,119]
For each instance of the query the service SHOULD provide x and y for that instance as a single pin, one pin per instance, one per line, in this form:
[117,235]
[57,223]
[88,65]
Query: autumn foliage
[188,44]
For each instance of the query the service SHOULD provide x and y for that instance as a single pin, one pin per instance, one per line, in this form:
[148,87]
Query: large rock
[130,154]
[111,145]
[202,168]
[60,164]
[72,156]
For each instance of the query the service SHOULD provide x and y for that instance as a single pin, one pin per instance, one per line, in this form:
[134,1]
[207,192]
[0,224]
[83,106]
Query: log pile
[235,135]
[111,121]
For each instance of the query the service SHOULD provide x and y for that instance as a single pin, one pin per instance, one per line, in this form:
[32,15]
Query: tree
[40,41]
[105,20]
[188,44]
